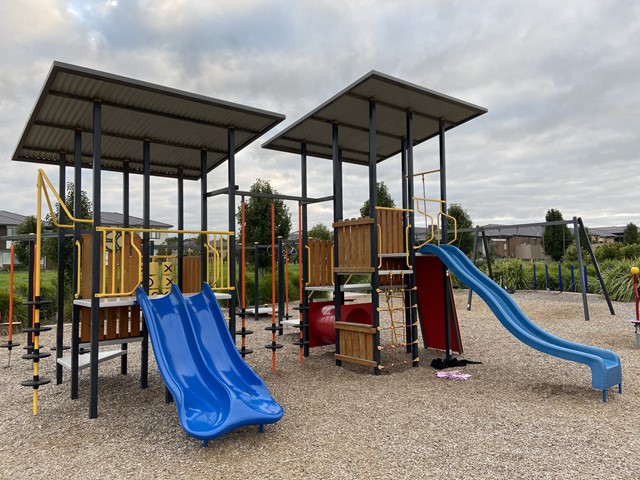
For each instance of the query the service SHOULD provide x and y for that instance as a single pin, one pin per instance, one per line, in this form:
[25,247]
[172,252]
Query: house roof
[10,218]
[179,125]
[606,232]
[350,110]
[107,218]
[116,219]
[507,232]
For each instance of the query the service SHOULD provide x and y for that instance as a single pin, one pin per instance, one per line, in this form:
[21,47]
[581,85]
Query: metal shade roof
[350,110]
[178,124]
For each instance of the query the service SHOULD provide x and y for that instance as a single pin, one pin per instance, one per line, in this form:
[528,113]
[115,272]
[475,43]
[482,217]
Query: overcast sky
[561,81]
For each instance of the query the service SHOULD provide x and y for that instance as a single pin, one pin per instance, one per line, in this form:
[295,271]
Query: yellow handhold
[635,270]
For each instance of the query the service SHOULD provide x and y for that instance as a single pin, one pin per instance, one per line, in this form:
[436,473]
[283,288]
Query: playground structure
[118,124]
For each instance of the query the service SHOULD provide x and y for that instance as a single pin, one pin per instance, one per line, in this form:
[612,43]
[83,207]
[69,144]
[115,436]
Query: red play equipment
[429,274]
[322,320]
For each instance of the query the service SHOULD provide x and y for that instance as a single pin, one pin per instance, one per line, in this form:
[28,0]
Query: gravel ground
[522,414]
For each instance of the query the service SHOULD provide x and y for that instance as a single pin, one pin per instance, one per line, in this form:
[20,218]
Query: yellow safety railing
[405,248]
[43,181]
[217,248]
[441,213]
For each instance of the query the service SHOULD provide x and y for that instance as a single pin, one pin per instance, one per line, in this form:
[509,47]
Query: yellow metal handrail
[216,253]
[42,177]
[79,247]
[441,214]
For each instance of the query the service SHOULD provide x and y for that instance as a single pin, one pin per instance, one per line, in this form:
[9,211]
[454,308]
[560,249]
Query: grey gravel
[522,414]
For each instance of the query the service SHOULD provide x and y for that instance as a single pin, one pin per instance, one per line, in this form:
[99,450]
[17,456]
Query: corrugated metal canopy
[350,110]
[178,124]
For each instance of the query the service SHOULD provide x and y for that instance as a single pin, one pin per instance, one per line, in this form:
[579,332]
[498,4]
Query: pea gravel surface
[520,415]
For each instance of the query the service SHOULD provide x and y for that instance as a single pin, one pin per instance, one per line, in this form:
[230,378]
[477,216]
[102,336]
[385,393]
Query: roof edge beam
[106,133]
[147,111]
[355,127]
[400,109]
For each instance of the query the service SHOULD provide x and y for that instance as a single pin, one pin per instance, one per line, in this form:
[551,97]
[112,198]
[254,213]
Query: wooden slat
[352,222]
[135,322]
[355,327]
[123,322]
[348,270]
[358,361]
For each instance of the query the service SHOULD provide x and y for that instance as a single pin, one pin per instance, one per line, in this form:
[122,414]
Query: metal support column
[180,225]
[443,239]
[146,223]
[373,202]
[337,215]
[231,153]
[203,215]
[77,208]
[411,284]
[125,223]
[95,257]
[62,187]
[302,258]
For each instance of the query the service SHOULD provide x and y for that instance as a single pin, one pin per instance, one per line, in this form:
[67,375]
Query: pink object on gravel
[453,375]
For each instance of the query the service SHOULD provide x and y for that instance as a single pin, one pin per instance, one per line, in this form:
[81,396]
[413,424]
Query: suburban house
[606,234]
[523,242]
[115,219]
[9,221]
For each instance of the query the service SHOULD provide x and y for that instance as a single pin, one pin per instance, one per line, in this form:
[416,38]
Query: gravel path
[522,414]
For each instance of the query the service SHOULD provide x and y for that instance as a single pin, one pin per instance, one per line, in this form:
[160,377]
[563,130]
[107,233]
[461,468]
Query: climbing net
[398,323]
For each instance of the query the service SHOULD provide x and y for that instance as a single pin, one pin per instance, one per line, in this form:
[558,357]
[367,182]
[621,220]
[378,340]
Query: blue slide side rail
[604,364]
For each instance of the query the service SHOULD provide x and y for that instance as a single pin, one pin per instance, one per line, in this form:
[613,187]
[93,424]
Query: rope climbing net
[399,324]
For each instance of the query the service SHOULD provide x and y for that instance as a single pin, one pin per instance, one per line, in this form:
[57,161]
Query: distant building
[524,242]
[8,223]
[115,219]
[606,234]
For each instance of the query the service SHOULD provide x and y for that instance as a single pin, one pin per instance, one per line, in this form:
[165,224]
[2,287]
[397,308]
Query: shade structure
[350,110]
[178,124]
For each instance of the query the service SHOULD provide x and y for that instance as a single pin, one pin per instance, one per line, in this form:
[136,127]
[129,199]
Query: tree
[50,245]
[556,238]
[384,199]
[321,232]
[630,234]
[463,220]
[258,217]
[21,249]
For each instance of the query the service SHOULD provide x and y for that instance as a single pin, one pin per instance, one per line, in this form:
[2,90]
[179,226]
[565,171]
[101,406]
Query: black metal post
[95,256]
[180,225]
[373,213]
[302,258]
[125,223]
[337,215]
[231,149]
[256,289]
[75,313]
[412,318]
[281,282]
[473,259]
[594,261]
[203,215]
[444,239]
[146,223]
[62,187]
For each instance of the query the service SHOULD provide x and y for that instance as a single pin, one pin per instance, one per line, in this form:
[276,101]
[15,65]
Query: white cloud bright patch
[559,81]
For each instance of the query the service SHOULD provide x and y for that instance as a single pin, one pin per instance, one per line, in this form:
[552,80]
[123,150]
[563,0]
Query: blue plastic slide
[606,370]
[215,391]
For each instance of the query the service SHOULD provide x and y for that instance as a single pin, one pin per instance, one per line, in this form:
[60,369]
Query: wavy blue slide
[606,370]
[214,389]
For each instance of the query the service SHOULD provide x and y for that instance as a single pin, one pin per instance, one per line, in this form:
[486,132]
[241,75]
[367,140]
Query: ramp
[215,391]
[606,370]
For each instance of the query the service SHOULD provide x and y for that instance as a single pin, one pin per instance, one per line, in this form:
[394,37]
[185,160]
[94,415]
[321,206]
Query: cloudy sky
[560,80]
